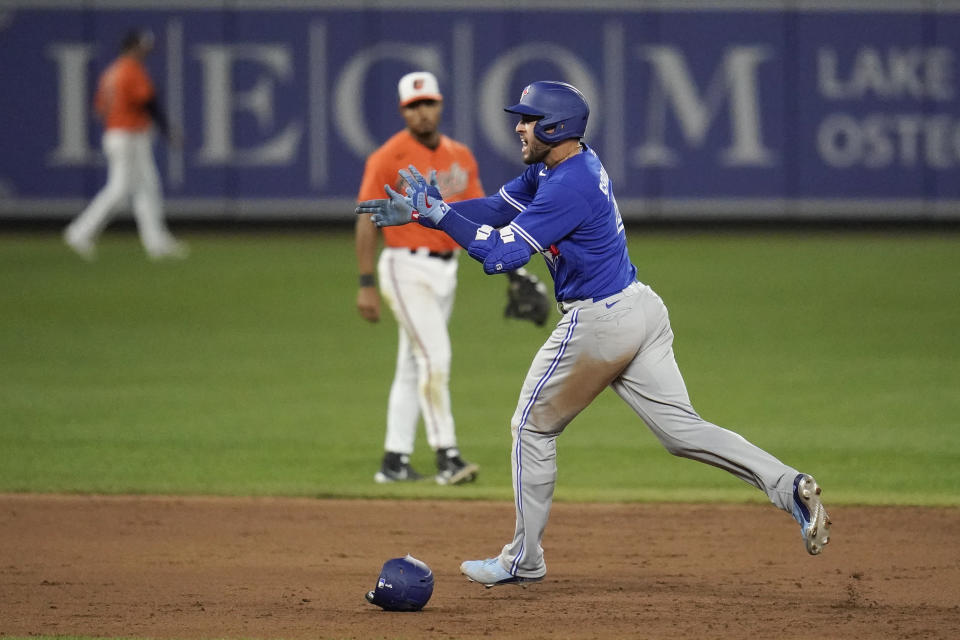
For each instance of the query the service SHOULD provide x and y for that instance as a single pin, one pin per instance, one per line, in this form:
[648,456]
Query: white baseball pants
[625,342]
[420,290]
[131,172]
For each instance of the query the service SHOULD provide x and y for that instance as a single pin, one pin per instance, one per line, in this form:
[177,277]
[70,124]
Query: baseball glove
[526,297]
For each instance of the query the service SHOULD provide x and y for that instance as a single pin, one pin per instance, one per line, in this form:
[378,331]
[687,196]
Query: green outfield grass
[246,369]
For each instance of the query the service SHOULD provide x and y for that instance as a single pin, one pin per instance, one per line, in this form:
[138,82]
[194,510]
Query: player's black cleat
[396,468]
[452,469]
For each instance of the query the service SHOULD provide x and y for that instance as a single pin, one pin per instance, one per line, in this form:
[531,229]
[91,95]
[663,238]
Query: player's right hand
[424,197]
[387,212]
[368,304]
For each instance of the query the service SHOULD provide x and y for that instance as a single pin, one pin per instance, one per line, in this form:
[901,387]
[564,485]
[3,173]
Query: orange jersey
[457,178]
[123,91]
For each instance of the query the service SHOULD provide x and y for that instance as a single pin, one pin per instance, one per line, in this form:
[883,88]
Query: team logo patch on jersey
[550,255]
[453,181]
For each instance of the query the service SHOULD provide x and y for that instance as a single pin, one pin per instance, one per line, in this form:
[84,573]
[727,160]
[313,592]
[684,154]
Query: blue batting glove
[430,210]
[387,212]
[412,176]
[425,199]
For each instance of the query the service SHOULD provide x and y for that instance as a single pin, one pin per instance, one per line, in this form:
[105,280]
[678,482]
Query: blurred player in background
[417,272]
[127,104]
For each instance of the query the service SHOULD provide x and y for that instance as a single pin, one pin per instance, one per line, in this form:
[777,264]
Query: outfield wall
[706,110]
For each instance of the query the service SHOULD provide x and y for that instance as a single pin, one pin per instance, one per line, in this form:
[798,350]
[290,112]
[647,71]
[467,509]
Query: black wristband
[367,280]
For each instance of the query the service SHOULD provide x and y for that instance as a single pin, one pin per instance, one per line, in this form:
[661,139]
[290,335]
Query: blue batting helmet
[405,584]
[559,106]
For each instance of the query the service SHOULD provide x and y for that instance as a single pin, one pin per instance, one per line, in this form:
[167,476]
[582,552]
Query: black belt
[443,255]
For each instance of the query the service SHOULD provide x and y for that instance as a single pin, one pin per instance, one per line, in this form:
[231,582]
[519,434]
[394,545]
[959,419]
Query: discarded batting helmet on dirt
[405,584]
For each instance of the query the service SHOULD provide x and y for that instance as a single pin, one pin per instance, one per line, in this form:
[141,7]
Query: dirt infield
[298,568]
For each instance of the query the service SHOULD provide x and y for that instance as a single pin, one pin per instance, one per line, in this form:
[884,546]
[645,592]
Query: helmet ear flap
[552,131]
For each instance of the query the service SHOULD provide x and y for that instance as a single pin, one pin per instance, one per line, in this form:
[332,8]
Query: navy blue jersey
[569,215]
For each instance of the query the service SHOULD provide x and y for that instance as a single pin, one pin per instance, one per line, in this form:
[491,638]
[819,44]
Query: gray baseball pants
[625,342]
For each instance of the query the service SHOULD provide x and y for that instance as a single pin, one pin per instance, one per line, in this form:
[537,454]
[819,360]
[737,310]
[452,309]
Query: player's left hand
[387,212]
[429,207]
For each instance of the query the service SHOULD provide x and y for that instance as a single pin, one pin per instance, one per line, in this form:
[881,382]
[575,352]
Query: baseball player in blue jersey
[614,331]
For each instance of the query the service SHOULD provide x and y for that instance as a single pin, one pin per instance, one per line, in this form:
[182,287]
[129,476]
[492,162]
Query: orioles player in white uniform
[418,278]
[127,103]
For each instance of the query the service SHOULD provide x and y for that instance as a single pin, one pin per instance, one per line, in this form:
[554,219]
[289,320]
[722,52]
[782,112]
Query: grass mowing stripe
[246,369]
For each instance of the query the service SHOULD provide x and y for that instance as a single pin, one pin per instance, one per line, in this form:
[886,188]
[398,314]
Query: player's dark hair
[134,38]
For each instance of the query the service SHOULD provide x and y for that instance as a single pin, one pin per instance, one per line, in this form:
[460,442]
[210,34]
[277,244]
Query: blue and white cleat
[489,573]
[809,512]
